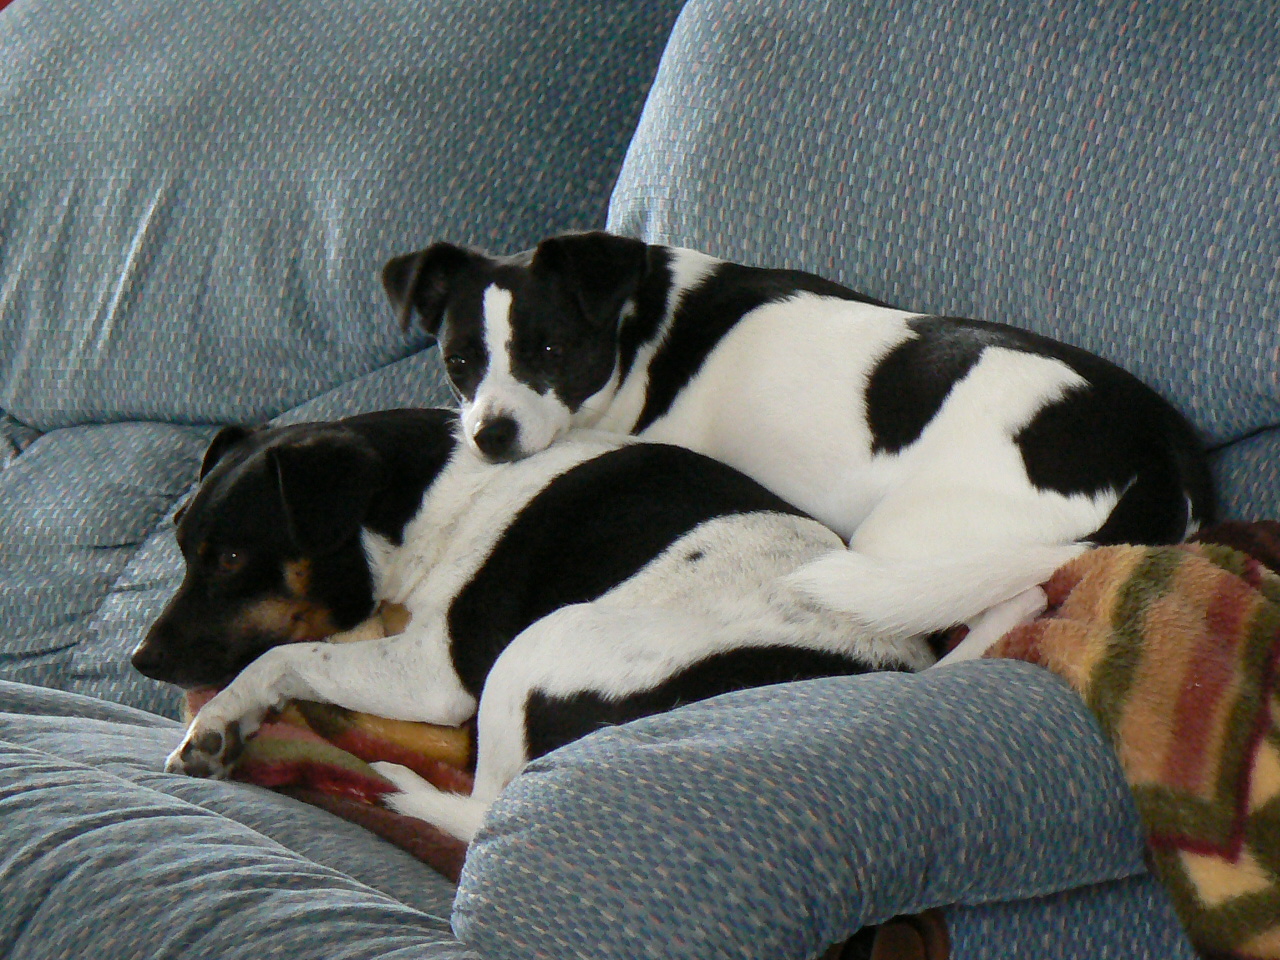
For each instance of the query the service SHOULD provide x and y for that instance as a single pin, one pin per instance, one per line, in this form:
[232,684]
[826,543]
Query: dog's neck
[463,511]
[644,324]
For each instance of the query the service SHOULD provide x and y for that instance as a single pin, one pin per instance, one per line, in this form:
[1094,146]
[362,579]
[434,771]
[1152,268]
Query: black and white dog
[962,461]
[598,581]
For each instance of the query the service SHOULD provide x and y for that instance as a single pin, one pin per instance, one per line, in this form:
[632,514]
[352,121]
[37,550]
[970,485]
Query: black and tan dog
[598,581]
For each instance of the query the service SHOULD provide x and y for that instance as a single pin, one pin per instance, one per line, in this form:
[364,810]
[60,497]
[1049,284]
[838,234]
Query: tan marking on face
[288,618]
[297,577]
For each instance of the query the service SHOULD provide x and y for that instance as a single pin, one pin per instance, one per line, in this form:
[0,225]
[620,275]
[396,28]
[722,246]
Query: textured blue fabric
[1104,174]
[105,857]
[1129,919]
[79,562]
[773,822]
[196,199]
[1247,475]
[14,438]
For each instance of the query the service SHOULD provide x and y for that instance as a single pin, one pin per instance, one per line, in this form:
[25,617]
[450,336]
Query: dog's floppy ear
[326,483]
[423,281]
[602,269]
[224,440]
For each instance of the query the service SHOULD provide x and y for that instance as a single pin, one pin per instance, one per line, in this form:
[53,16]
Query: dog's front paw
[209,750]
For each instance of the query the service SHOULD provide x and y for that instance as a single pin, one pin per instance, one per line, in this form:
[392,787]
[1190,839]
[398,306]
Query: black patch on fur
[461,336]
[1119,434]
[565,312]
[552,721]
[1113,433]
[708,311]
[413,446]
[589,530]
[908,386]
[650,307]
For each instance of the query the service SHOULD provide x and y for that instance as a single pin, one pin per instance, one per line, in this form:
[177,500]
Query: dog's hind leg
[500,754]
[902,598]
[935,556]
[501,748]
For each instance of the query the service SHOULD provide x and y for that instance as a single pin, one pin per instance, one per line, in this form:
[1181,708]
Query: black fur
[908,386]
[271,498]
[551,721]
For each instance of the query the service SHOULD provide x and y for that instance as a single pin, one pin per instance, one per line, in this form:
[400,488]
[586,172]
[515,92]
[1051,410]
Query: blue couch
[195,200]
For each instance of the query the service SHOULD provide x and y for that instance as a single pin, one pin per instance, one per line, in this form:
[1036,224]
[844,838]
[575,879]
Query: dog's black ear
[326,484]
[423,281]
[603,270]
[224,440]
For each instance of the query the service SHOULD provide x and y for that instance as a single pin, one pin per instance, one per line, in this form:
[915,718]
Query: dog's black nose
[496,438]
[148,660]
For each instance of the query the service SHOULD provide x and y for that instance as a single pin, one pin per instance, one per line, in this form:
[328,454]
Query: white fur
[669,615]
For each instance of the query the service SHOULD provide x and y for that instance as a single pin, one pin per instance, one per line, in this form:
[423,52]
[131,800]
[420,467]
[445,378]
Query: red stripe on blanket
[1197,716]
[324,777]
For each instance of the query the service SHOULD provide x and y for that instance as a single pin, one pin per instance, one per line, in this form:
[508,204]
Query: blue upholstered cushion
[75,508]
[772,822]
[1104,174]
[755,825]
[196,198]
[1130,919]
[107,857]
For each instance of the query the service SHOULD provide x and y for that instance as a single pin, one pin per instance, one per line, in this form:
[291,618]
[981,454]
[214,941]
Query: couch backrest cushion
[1102,173]
[196,198]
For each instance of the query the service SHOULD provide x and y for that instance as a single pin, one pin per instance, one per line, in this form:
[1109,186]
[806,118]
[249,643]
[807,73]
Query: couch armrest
[773,822]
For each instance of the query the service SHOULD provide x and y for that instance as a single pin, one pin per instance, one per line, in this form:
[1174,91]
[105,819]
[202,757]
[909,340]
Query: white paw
[216,737]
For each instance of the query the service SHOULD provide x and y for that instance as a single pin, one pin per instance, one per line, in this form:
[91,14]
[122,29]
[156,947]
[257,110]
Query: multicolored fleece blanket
[1176,650]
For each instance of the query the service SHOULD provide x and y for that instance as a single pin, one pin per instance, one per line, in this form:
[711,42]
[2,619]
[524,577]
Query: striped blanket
[1175,651]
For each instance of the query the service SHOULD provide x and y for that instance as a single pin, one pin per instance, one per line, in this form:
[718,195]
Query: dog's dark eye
[456,364]
[553,351]
[230,562]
